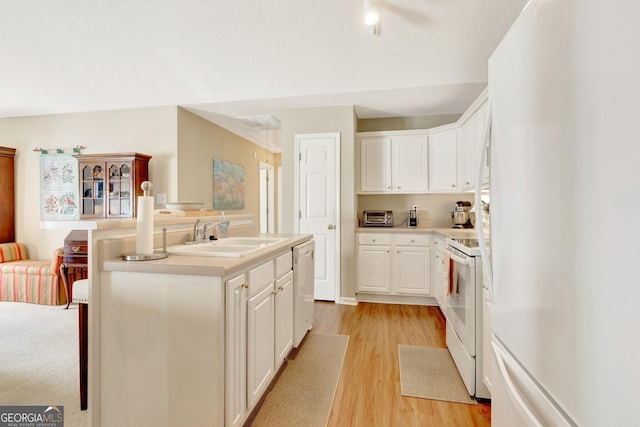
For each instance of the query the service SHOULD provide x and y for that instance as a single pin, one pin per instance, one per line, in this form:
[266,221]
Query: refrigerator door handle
[481,238]
[526,397]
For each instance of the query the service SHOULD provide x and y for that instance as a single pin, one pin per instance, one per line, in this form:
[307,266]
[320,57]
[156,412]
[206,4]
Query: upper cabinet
[443,156]
[109,184]
[471,132]
[437,160]
[394,162]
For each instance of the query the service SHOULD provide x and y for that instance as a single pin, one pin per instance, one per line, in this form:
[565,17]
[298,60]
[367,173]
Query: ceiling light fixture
[371,16]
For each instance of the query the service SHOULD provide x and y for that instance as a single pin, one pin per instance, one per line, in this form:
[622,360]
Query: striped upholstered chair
[26,280]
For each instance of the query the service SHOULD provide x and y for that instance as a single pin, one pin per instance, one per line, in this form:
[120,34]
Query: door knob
[331,226]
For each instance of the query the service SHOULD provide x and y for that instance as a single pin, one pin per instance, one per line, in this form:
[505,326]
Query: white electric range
[463,310]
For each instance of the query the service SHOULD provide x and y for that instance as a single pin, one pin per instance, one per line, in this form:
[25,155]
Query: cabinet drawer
[412,239]
[260,276]
[374,239]
[284,263]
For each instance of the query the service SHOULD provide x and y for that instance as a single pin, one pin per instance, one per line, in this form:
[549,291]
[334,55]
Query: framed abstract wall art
[228,185]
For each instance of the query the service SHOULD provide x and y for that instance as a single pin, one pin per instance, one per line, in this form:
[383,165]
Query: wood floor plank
[368,392]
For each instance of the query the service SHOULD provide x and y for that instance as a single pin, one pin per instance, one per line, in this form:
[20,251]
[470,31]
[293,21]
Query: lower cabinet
[259,333]
[283,318]
[394,264]
[439,275]
[236,350]
[260,343]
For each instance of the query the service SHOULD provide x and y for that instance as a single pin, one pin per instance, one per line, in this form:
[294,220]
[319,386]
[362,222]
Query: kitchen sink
[228,247]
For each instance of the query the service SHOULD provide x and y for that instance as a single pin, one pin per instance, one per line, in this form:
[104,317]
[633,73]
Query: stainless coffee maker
[461,215]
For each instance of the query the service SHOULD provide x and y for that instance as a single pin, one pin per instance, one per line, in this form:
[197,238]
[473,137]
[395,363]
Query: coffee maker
[461,215]
[413,216]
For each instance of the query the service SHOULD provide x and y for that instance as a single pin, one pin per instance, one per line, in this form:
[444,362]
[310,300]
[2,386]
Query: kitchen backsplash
[434,210]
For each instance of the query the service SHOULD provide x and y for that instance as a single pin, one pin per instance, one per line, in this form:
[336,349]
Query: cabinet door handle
[453,186]
[245,285]
[274,293]
[331,227]
[281,288]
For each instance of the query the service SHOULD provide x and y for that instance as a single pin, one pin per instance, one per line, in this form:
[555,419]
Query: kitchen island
[160,349]
[192,340]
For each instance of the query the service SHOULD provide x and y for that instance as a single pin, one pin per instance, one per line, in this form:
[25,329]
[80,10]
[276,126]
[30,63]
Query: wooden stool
[81,296]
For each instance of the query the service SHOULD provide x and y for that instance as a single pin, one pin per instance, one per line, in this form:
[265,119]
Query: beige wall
[324,120]
[199,142]
[434,210]
[406,123]
[150,131]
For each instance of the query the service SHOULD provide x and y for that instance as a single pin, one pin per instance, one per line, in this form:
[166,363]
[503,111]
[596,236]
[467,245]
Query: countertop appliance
[463,311]
[373,218]
[461,215]
[303,289]
[564,141]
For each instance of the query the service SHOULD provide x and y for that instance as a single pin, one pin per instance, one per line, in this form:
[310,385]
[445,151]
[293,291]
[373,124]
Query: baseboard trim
[348,301]
[396,299]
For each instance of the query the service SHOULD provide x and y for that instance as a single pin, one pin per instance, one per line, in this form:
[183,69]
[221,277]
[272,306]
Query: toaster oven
[377,219]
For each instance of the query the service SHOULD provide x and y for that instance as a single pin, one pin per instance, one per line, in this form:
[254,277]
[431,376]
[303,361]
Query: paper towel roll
[144,229]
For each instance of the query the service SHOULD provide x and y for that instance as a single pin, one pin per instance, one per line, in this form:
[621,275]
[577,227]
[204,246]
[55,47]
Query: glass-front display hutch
[110,183]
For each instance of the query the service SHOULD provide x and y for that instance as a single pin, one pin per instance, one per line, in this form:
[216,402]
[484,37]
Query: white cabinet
[395,162]
[236,352]
[374,262]
[471,137]
[394,264]
[283,317]
[260,331]
[439,276]
[375,165]
[443,161]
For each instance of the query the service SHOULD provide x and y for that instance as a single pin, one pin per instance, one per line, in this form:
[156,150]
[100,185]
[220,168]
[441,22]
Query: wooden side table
[70,272]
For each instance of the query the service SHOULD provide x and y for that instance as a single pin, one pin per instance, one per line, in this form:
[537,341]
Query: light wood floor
[368,392]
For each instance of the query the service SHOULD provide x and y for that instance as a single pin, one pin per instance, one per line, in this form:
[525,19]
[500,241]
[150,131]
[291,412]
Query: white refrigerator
[564,88]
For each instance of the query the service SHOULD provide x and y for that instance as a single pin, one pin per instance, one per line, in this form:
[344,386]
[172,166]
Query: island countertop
[205,265]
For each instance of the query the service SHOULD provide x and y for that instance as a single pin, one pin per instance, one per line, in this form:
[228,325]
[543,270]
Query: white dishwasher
[303,284]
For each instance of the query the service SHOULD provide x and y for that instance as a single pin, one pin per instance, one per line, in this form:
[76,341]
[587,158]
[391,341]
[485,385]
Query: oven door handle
[459,260]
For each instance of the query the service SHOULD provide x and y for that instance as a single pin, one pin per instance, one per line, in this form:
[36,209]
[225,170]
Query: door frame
[269,197]
[296,198]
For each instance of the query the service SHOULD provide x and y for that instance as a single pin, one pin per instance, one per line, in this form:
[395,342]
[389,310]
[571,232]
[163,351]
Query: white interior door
[317,205]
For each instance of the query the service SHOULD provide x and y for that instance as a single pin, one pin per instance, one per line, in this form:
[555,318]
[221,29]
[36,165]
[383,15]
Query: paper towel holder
[148,257]
[146,187]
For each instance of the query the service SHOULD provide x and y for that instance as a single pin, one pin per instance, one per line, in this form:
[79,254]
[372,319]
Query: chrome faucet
[223,227]
[201,230]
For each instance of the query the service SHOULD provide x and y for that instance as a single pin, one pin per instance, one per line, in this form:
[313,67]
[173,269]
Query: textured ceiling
[227,58]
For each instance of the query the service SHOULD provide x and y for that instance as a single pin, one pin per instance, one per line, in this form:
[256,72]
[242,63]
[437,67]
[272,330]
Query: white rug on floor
[39,358]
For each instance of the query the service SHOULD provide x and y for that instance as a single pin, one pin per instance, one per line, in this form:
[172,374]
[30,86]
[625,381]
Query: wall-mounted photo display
[58,187]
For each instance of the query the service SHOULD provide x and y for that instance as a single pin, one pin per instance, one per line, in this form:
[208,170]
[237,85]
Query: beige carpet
[430,373]
[304,393]
[39,358]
